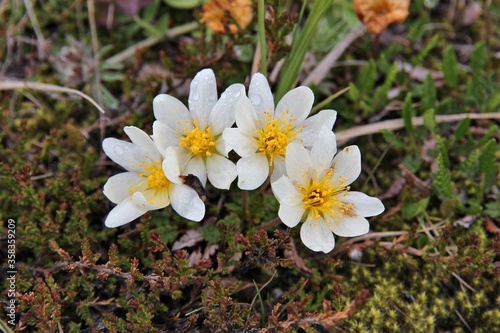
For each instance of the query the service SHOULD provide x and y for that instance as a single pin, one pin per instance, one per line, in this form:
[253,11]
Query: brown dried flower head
[224,15]
[378,14]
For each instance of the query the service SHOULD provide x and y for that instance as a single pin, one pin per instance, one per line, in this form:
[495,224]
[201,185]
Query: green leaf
[450,67]
[381,92]
[151,11]
[367,77]
[412,161]
[211,233]
[300,46]
[493,104]
[488,164]
[478,57]
[184,4]
[492,209]
[443,151]
[470,166]
[463,129]
[354,93]
[425,51]
[408,113]
[413,209]
[442,180]
[430,120]
[261,33]
[428,93]
[417,30]
[150,28]
[167,230]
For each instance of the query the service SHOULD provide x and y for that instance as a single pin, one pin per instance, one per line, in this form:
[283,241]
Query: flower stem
[262,37]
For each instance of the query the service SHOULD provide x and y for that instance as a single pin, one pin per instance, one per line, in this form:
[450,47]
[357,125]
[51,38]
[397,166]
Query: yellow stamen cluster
[199,142]
[320,198]
[273,138]
[156,177]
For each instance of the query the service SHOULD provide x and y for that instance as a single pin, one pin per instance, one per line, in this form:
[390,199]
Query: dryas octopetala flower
[197,132]
[144,186]
[264,132]
[316,192]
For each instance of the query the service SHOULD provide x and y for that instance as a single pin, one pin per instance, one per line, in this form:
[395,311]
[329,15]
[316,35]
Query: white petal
[143,140]
[130,156]
[298,163]
[351,226]
[122,185]
[223,113]
[221,147]
[122,214]
[252,171]
[316,236]
[202,96]
[260,95]
[169,110]
[175,157]
[323,149]
[364,205]
[196,166]
[187,203]
[240,143]
[346,166]
[313,124]
[246,117]
[296,104]
[151,199]
[164,136]
[286,192]
[221,171]
[279,168]
[290,215]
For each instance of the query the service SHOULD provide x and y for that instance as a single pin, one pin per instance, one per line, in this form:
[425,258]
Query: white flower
[316,191]
[144,186]
[197,132]
[264,133]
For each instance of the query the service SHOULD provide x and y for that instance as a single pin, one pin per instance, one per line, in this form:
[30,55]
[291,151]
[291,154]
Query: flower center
[199,142]
[320,198]
[273,138]
[156,177]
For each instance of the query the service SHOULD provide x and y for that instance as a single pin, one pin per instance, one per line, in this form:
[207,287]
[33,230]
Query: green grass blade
[300,46]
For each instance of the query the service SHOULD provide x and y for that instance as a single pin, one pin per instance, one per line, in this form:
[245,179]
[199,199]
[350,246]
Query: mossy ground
[430,264]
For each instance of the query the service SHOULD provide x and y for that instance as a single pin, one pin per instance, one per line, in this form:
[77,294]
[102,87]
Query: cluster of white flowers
[299,154]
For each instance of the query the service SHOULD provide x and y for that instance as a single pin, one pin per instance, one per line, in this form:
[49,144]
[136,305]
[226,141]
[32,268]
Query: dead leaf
[420,73]
[195,257]
[412,179]
[378,14]
[219,15]
[394,189]
[471,13]
[466,221]
[294,254]
[189,239]
[491,226]
[210,250]
[131,7]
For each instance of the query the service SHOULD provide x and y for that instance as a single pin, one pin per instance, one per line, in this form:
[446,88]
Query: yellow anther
[273,138]
[320,198]
[156,177]
[199,142]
